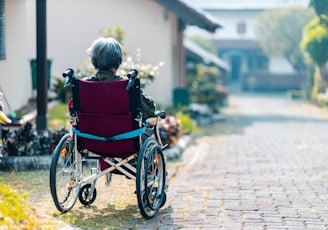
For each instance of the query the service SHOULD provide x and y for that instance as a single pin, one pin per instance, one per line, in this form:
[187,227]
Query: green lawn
[114,207]
[59,116]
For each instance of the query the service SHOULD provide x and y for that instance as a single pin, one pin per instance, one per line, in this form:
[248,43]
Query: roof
[203,55]
[191,14]
[246,4]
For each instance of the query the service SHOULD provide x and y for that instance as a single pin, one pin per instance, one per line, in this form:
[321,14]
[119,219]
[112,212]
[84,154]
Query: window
[258,63]
[241,28]
[2,31]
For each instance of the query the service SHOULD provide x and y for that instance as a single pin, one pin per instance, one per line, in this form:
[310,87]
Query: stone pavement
[265,167]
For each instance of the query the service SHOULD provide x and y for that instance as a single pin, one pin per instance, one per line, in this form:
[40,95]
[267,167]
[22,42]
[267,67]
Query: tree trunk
[323,72]
[305,80]
[324,78]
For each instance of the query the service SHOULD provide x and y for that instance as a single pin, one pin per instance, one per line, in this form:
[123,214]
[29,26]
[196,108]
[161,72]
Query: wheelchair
[107,127]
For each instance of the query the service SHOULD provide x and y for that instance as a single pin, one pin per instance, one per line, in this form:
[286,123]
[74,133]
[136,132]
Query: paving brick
[264,167]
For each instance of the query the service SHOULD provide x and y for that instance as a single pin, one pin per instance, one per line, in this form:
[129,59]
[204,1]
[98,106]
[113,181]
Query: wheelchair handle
[133,73]
[70,74]
[132,76]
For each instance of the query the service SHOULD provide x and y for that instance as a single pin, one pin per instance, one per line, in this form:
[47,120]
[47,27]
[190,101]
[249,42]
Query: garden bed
[25,149]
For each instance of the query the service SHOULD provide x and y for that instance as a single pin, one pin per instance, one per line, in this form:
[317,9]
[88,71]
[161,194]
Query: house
[236,43]
[195,54]
[155,27]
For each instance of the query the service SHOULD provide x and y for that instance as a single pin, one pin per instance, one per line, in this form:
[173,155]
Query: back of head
[105,54]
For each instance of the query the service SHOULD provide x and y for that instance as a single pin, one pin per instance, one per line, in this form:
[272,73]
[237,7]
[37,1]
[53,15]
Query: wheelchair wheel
[150,180]
[64,175]
[84,193]
[164,200]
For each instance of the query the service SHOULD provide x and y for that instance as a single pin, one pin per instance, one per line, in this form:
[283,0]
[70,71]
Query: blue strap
[127,135]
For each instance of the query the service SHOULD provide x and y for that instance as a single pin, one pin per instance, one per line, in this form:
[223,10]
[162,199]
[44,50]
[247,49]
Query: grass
[115,206]
[13,209]
[59,116]
[20,193]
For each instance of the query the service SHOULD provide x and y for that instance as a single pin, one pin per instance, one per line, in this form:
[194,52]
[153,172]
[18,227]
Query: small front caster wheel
[84,195]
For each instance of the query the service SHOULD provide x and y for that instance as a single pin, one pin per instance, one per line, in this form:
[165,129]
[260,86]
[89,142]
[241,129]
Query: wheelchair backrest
[107,108]
[104,97]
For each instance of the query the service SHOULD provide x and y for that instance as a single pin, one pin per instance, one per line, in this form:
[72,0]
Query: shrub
[295,94]
[25,141]
[186,123]
[322,99]
[62,93]
[205,87]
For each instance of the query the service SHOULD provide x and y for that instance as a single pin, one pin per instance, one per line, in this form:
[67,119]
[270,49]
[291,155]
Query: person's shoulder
[92,78]
[118,77]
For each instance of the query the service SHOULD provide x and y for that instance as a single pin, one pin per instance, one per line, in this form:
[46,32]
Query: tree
[279,33]
[315,40]
[315,44]
[321,9]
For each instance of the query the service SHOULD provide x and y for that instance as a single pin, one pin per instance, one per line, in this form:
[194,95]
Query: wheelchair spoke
[64,175]
[66,197]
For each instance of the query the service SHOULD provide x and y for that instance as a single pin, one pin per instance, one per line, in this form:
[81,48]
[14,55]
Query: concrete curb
[176,151]
[25,163]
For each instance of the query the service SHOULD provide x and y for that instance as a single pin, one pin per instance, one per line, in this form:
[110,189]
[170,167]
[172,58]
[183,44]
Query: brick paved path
[265,167]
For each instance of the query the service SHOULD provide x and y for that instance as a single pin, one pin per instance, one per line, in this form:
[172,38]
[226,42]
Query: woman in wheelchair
[106,56]
[108,117]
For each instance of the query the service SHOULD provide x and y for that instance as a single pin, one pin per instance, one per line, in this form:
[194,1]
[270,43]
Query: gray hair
[105,54]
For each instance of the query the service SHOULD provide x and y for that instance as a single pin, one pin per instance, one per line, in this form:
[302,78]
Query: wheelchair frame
[147,167]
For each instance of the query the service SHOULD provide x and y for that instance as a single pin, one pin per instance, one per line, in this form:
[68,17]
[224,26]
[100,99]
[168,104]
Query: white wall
[15,77]
[280,65]
[229,21]
[72,25]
